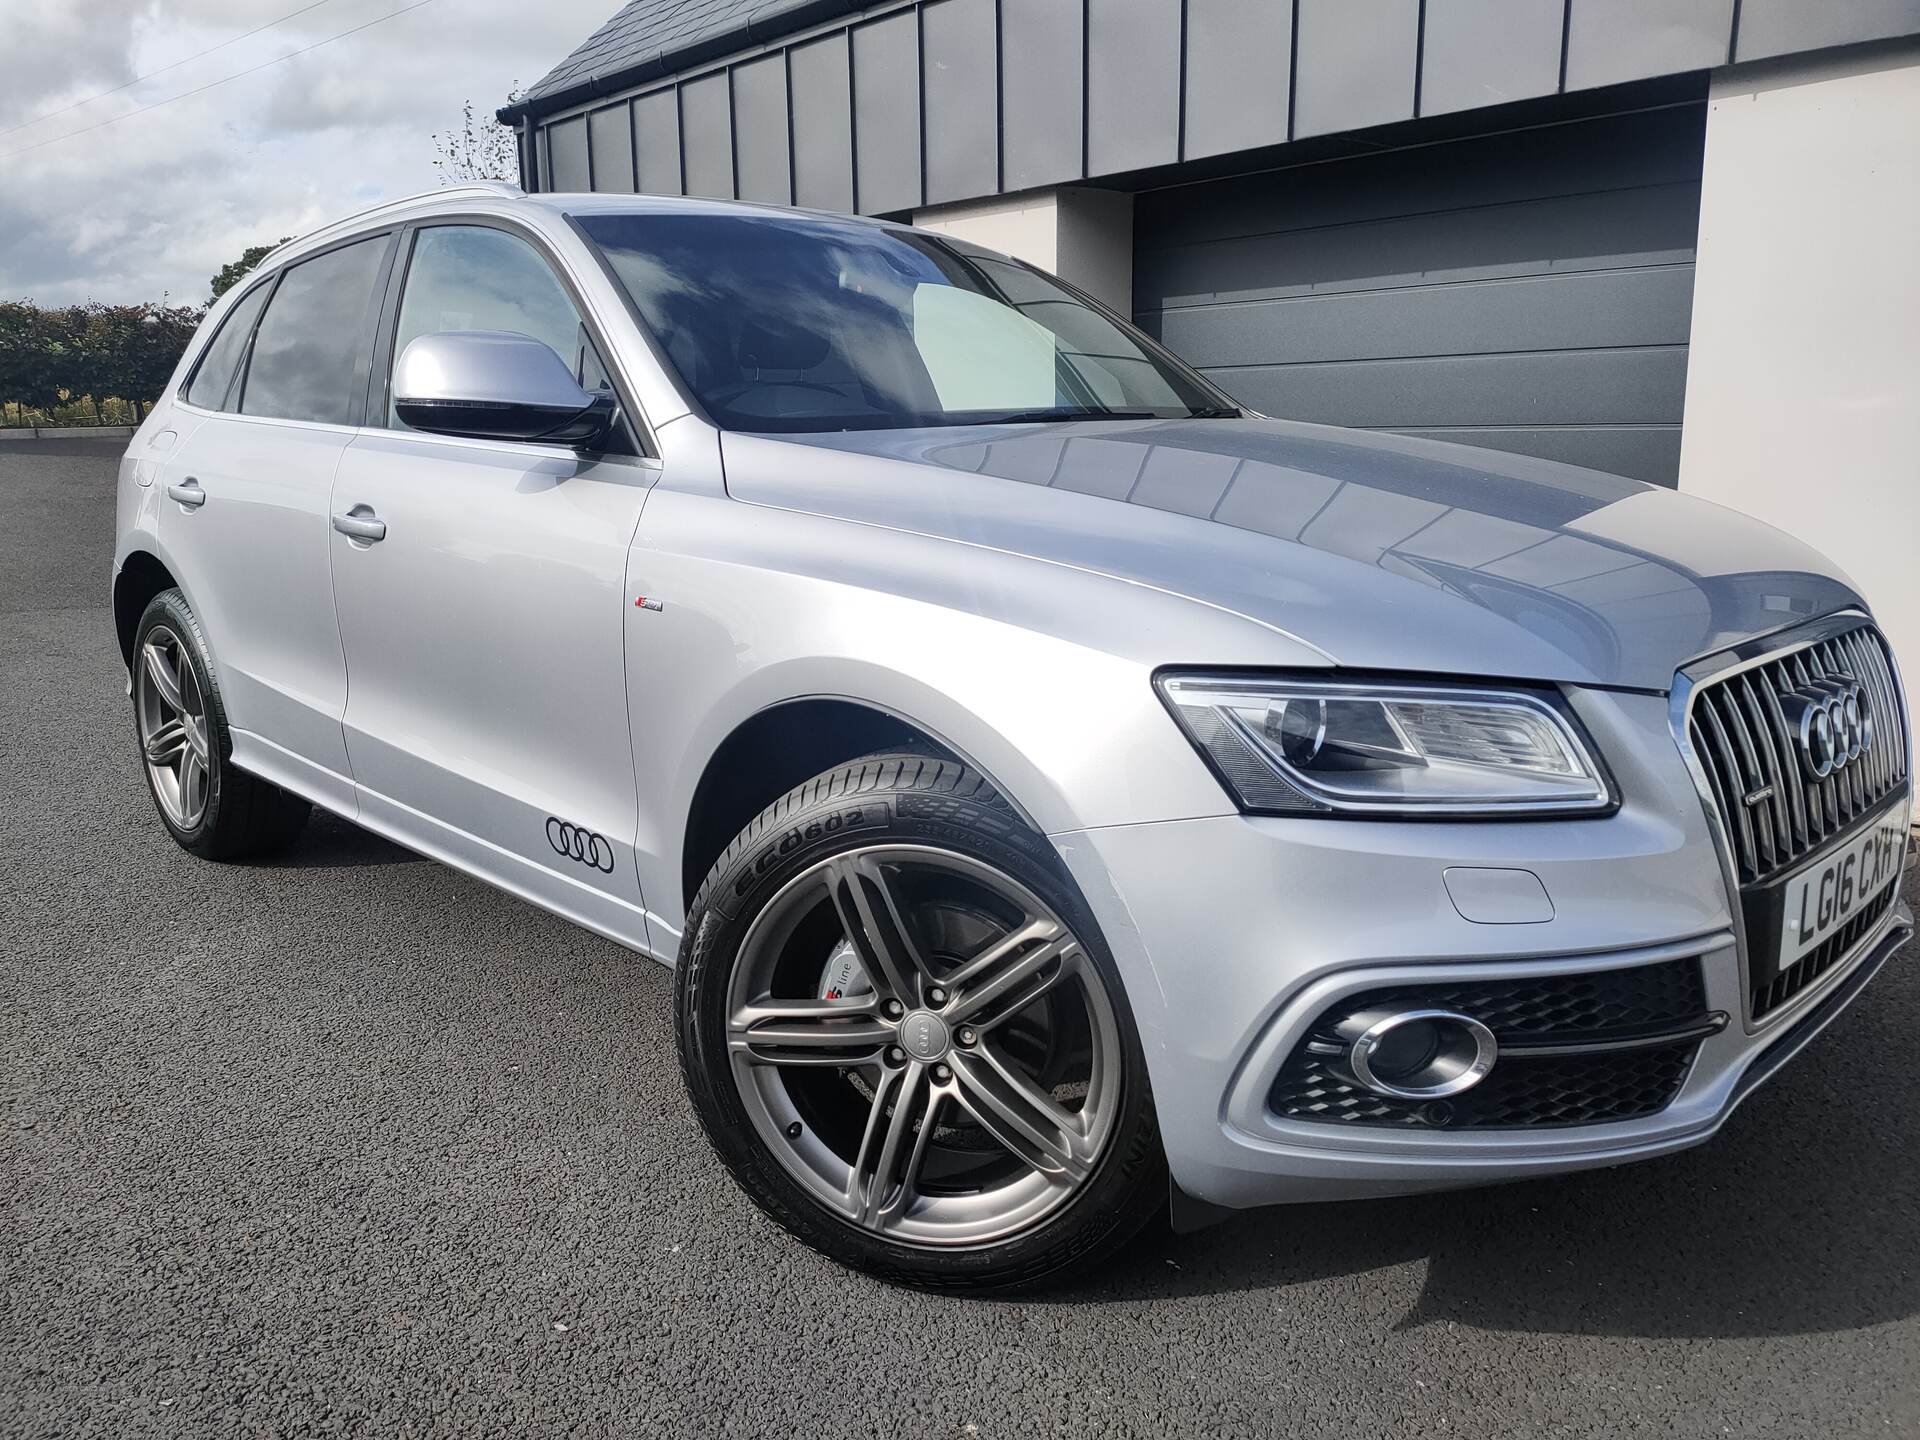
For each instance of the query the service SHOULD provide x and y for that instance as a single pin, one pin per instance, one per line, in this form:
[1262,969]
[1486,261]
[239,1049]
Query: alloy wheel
[924,1045]
[173,728]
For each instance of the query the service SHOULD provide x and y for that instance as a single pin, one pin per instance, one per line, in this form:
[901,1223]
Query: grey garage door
[1529,291]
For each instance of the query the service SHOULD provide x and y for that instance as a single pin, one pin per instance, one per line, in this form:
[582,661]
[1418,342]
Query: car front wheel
[905,1038]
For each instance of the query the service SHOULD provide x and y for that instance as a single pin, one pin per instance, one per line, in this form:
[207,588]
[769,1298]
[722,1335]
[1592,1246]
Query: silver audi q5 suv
[1062,793]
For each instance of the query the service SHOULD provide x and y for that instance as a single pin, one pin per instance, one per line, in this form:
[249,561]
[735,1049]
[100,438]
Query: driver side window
[473,277]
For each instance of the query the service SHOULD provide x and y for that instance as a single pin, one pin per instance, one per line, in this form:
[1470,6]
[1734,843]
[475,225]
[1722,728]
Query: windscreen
[801,323]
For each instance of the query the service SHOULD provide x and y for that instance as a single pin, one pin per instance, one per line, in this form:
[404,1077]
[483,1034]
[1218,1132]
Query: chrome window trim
[1718,666]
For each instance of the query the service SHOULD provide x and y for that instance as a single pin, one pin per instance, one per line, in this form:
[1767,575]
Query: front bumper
[1233,934]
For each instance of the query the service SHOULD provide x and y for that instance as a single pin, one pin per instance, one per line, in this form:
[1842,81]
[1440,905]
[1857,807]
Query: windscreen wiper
[1030,417]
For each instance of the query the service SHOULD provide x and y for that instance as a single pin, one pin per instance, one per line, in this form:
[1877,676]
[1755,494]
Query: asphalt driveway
[353,1144]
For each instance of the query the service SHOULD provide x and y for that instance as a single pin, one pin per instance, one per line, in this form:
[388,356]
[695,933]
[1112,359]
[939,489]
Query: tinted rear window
[211,380]
[311,354]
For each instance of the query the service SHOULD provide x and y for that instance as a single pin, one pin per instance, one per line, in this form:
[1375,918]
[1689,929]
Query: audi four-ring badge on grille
[1831,721]
[578,843]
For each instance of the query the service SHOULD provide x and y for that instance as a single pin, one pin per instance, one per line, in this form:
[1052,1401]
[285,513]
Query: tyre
[212,809]
[904,1036]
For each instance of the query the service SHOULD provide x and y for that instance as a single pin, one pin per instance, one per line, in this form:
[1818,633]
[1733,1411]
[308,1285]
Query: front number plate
[1829,892]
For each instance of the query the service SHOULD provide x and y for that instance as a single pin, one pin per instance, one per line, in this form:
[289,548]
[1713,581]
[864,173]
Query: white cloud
[159,201]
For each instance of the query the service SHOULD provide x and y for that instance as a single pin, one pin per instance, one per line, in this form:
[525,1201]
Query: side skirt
[620,921]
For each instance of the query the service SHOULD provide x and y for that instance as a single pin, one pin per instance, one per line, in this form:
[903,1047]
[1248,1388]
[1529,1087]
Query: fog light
[1416,1054]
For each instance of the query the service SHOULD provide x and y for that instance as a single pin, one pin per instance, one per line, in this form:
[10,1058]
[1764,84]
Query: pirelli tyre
[904,1036]
[180,724]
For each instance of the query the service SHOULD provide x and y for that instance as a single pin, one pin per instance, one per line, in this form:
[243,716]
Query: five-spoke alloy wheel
[906,1040]
[213,809]
[172,716]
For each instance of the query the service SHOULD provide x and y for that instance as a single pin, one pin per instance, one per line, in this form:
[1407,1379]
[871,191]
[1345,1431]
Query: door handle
[360,523]
[188,493]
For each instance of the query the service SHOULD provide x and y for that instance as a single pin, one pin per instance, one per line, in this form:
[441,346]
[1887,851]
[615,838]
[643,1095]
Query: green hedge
[54,361]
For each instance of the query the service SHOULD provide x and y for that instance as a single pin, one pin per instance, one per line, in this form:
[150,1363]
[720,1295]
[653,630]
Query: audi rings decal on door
[578,843]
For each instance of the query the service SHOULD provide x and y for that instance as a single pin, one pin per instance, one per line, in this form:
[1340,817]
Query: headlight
[1306,746]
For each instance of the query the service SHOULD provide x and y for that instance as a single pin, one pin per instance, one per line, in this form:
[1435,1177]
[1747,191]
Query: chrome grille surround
[1766,812]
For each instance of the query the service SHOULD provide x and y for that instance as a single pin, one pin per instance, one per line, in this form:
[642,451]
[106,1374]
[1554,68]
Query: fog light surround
[1417,1054]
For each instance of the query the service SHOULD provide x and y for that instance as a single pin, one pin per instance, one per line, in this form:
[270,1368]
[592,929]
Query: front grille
[1774,813]
[1654,1014]
[1738,730]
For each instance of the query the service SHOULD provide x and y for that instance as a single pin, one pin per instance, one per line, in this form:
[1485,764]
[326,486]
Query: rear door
[487,705]
[277,397]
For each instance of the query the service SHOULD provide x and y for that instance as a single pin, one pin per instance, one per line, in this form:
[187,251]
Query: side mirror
[492,385]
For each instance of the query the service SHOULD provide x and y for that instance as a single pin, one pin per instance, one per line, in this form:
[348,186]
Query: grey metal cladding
[760,131]
[706,136]
[1356,64]
[610,133]
[1041,92]
[822,100]
[1781,27]
[1488,52]
[567,155]
[958,47]
[656,141]
[886,114]
[1133,85]
[1528,291]
[1239,54]
[1611,41]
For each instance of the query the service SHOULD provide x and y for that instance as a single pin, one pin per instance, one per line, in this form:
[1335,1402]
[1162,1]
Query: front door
[486,716]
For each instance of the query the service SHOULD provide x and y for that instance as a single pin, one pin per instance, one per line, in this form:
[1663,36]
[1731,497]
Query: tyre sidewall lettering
[802,838]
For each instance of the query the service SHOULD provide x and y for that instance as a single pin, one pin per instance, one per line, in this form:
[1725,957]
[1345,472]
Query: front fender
[1038,674]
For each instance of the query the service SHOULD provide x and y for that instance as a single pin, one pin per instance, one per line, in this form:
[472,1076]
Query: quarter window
[473,277]
[214,379]
[310,356]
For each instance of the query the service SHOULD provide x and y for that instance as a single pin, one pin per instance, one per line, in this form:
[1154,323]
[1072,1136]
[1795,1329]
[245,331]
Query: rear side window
[213,380]
[310,356]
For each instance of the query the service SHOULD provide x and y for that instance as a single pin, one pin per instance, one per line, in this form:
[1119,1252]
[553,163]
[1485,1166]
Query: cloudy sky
[157,202]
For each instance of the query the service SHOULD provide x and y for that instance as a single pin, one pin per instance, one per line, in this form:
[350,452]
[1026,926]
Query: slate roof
[657,37]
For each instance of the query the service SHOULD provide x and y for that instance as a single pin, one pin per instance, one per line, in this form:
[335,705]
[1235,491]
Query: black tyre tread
[1140,1170]
[254,818]
[897,771]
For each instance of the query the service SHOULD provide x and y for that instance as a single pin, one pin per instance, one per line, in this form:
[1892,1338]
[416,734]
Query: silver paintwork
[1010,591]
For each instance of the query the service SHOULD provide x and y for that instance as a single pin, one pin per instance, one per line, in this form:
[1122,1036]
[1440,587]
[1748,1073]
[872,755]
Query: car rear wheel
[904,1037]
[210,808]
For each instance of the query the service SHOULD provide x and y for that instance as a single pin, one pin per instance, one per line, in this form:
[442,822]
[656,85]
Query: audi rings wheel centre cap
[923,1035]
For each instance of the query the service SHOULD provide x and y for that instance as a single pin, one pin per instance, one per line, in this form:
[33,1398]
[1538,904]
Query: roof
[658,37]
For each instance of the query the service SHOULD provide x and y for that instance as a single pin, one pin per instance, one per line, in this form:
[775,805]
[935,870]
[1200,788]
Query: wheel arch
[783,745]
[141,576]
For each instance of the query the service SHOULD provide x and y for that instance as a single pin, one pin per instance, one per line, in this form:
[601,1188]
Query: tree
[478,148]
[234,271]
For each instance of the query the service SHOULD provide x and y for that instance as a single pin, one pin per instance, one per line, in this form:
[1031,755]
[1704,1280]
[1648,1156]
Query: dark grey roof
[656,37]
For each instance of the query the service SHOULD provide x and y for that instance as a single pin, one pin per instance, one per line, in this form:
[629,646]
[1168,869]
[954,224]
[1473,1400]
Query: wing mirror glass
[492,385]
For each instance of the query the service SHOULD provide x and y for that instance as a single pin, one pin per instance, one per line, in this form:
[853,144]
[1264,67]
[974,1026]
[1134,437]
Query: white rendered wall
[1084,236]
[1803,384]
